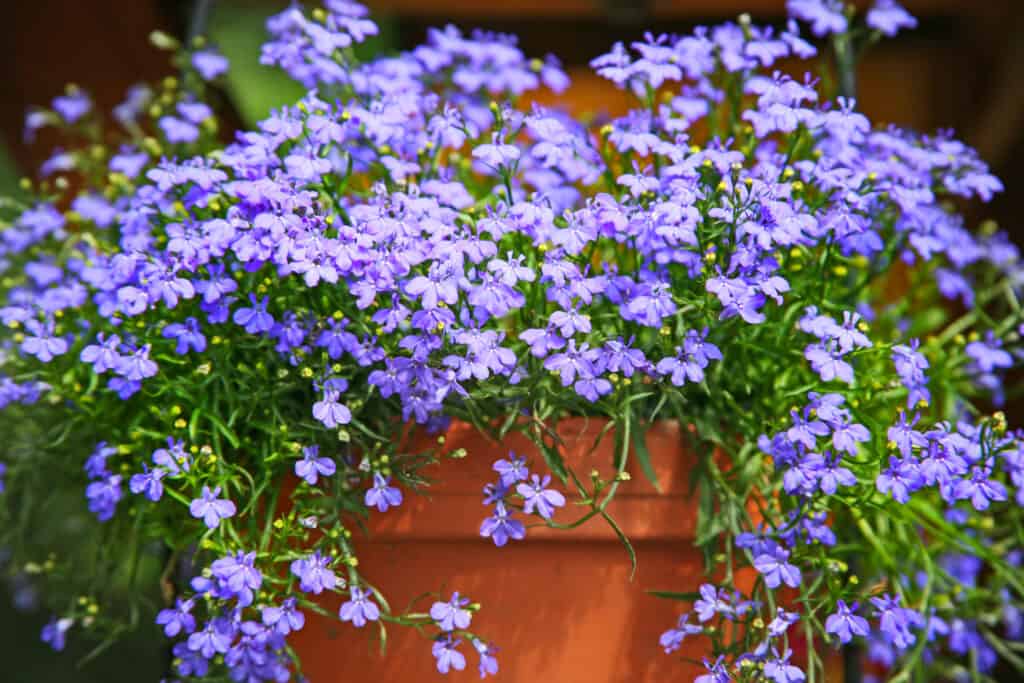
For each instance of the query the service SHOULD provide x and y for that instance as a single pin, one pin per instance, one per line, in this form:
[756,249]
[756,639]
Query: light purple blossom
[210,508]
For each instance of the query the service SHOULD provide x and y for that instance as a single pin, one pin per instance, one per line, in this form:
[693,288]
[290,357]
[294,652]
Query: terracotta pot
[560,604]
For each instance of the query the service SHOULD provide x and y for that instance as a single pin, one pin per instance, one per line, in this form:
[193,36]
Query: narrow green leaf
[625,541]
[644,456]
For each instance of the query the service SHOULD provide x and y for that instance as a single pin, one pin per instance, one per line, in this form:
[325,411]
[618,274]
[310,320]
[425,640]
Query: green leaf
[625,542]
[554,459]
[674,595]
[644,456]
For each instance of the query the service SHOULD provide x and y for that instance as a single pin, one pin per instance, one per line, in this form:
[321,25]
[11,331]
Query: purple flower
[488,662]
[780,670]
[500,526]
[283,619]
[314,573]
[671,639]
[512,470]
[382,495]
[496,153]
[310,467]
[137,366]
[680,368]
[713,601]
[539,498]
[905,436]
[776,569]
[446,655]
[237,576]
[178,619]
[895,621]
[988,356]
[845,436]
[805,431]
[211,508]
[330,411]
[360,608]
[209,63]
[831,475]
[844,624]
[187,335]
[781,623]
[103,496]
[55,632]
[828,362]
[980,489]
[174,459]
[824,16]
[889,17]
[255,318]
[452,614]
[41,341]
[72,106]
[103,355]
[215,638]
[148,482]
[716,672]
[902,478]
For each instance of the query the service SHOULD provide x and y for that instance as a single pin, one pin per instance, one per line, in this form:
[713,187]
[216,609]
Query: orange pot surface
[560,605]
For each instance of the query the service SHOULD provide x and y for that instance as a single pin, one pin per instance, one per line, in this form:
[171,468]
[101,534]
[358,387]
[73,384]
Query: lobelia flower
[187,335]
[895,621]
[137,366]
[148,482]
[238,576]
[776,569]
[488,662]
[41,341]
[500,526]
[671,639]
[103,496]
[717,672]
[329,411]
[177,619]
[382,495]
[447,656]
[54,633]
[538,498]
[889,17]
[209,63]
[714,601]
[980,489]
[174,459]
[210,508]
[845,624]
[360,608]
[73,106]
[103,355]
[314,574]
[284,619]
[452,614]
[311,467]
[828,362]
[512,470]
[214,638]
[988,356]
[779,670]
[255,318]
[781,623]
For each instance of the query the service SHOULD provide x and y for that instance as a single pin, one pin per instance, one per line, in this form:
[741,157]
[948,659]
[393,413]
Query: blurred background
[962,68]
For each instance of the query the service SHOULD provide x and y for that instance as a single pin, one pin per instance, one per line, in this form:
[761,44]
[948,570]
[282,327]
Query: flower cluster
[240,333]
